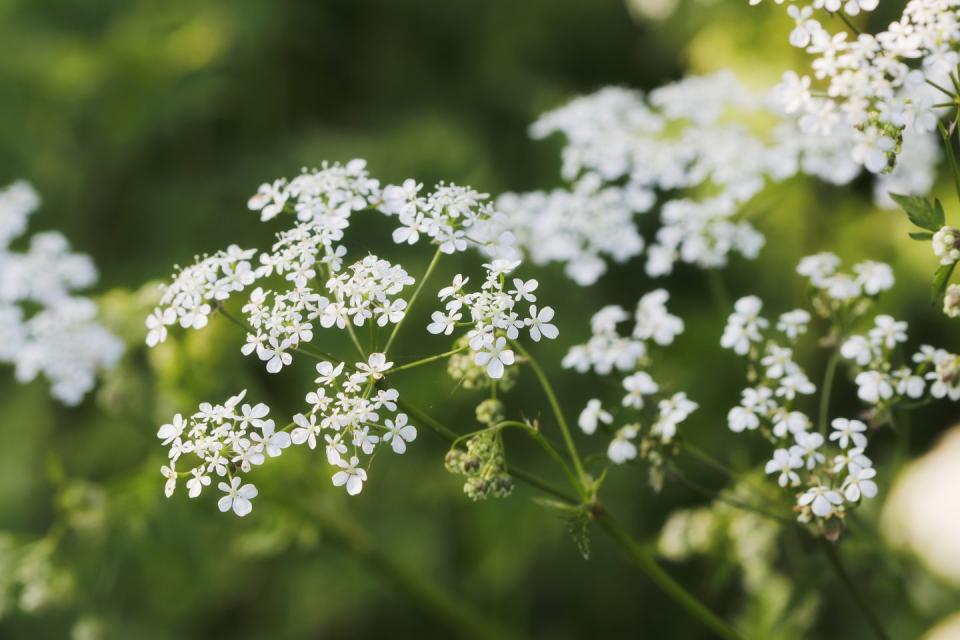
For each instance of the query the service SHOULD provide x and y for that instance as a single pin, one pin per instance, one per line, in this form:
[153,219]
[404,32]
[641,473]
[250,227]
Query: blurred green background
[145,126]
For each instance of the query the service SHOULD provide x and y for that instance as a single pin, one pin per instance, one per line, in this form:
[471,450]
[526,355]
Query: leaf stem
[427,360]
[558,413]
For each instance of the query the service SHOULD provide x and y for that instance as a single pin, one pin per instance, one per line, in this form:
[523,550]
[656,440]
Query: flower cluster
[45,328]
[654,415]
[346,415]
[349,411]
[225,440]
[451,217]
[305,283]
[492,315]
[831,473]
[624,150]
[882,87]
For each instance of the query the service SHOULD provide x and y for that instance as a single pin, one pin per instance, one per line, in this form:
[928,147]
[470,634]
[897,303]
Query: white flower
[621,448]
[350,475]
[859,483]
[238,497]
[495,357]
[822,499]
[792,422]
[793,384]
[846,432]
[744,325]
[740,419]
[443,322]
[908,383]
[157,325]
[874,277]
[784,463]
[592,415]
[399,433]
[170,473]
[888,332]
[197,482]
[275,355]
[272,441]
[807,447]
[858,349]
[793,323]
[539,324]
[172,430]
[306,430]
[873,386]
[638,385]
[946,245]
[524,290]
[374,367]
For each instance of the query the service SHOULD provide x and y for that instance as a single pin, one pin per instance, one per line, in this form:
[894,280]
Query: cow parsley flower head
[625,152]
[608,350]
[46,328]
[306,285]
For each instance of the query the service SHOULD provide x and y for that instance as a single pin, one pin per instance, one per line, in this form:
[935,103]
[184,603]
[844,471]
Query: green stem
[642,556]
[545,444]
[558,413]
[847,21]
[837,565]
[825,391]
[645,561]
[417,363]
[355,340]
[413,298]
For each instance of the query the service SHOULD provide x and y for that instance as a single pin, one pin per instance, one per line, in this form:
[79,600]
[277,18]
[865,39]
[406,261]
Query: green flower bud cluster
[483,465]
[490,412]
[470,375]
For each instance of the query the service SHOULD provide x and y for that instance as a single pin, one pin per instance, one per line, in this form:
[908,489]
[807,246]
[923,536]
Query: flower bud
[946,245]
[951,301]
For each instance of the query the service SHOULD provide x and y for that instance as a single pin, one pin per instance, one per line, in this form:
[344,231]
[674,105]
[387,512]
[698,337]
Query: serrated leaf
[921,211]
[940,280]
[921,235]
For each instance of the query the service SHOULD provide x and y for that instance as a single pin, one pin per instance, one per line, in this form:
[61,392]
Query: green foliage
[921,213]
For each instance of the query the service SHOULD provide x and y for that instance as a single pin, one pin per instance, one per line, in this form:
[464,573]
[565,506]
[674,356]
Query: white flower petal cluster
[493,315]
[838,288]
[880,381]
[221,441]
[47,329]
[625,150]
[351,417]
[876,87]
[828,481]
[608,350]
[451,217]
[831,473]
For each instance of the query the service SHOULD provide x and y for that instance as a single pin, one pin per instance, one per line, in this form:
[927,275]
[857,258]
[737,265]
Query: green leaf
[940,280]
[921,235]
[921,212]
